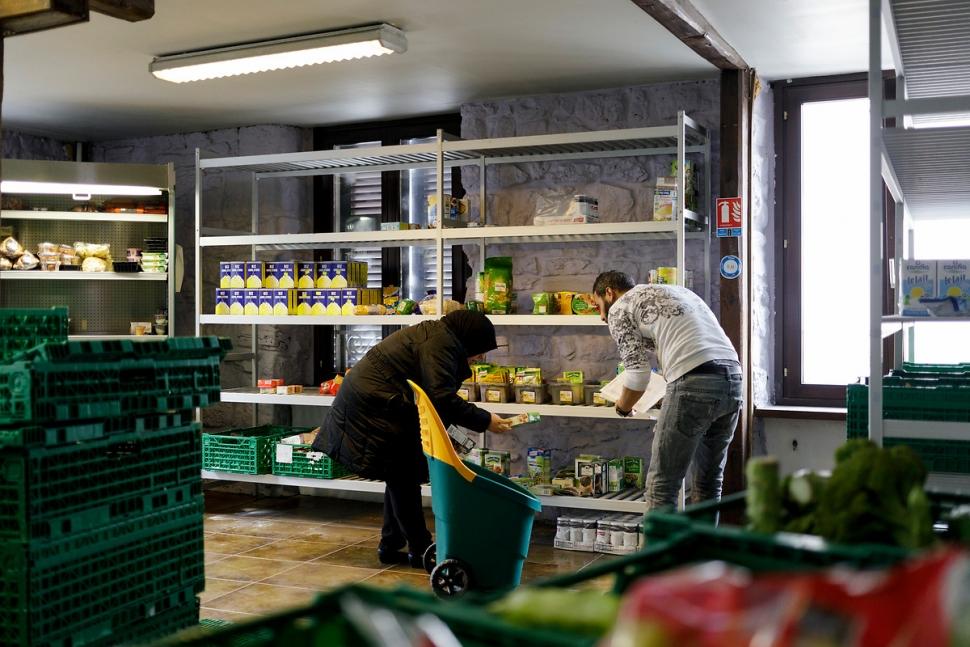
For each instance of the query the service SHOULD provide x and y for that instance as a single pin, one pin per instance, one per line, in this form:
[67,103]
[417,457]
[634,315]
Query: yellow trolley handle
[434,437]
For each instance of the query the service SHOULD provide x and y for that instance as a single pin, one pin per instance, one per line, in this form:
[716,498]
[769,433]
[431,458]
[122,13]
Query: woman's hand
[499,425]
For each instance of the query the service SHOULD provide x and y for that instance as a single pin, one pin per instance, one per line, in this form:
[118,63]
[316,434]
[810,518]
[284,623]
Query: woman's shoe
[389,557]
[416,560]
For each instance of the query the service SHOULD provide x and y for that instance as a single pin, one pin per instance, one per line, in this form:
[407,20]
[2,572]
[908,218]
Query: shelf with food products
[97,337]
[311,320]
[37,275]
[625,501]
[83,216]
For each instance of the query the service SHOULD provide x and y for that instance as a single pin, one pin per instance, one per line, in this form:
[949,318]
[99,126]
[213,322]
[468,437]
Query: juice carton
[539,464]
[284,302]
[318,302]
[953,278]
[251,302]
[286,274]
[306,275]
[323,275]
[225,275]
[265,302]
[222,302]
[615,476]
[237,302]
[918,279]
[270,280]
[349,299]
[255,273]
[633,472]
[496,461]
[304,305]
[333,302]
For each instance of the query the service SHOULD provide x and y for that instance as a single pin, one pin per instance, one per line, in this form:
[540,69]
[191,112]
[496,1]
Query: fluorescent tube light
[283,53]
[14,186]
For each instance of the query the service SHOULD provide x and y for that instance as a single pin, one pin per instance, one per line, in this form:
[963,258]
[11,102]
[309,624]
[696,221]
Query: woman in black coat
[372,428]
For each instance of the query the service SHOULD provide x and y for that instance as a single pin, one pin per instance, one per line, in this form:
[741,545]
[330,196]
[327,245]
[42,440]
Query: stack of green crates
[100,489]
[937,392]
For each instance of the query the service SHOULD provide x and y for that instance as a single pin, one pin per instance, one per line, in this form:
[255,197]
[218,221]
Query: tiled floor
[267,554]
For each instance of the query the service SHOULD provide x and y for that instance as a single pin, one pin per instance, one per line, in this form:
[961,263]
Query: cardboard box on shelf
[265,302]
[591,475]
[633,472]
[318,302]
[284,302]
[953,278]
[255,274]
[222,302]
[539,464]
[306,272]
[232,275]
[237,302]
[615,479]
[251,302]
[323,275]
[304,302]
[918,280]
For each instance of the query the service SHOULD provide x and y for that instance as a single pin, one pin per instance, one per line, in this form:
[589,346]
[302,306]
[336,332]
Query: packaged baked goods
[584,304]
[94,264]
[5,264]
[27,261]
[93,250]
[46,248]
[11,248]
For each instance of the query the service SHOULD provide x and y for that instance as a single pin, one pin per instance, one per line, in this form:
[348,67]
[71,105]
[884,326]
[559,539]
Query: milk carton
[917,280]
[953,278]
[539,464]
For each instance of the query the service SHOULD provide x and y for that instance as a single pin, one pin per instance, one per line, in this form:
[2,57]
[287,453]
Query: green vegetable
[920,518]
[805,488]
[764,494]
[588,612]
[867,499]
[641,633]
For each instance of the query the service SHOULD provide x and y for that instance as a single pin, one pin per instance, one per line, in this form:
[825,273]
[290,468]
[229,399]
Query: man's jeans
[697,421]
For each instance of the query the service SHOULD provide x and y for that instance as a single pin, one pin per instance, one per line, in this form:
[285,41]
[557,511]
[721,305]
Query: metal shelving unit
[925,166]
[679,140]
[101,304]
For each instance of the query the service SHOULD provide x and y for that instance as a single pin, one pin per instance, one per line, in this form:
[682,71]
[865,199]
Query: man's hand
[500,425]
[627,400]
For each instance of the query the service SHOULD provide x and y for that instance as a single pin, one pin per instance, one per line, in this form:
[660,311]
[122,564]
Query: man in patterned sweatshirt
[670,327]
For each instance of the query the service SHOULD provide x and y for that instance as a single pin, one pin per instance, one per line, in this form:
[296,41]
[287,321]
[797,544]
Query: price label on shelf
[284,453]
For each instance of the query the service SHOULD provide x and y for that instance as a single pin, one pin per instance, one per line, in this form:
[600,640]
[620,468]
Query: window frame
[790,95]
[389,133]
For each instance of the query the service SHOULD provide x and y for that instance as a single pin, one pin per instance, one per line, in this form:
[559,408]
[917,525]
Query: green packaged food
[475,306]
[406,306]
[584,304]
[498,285]
[543,303]
[573,377]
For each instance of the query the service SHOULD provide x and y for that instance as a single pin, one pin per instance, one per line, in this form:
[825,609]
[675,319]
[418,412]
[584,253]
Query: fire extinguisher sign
[728,217]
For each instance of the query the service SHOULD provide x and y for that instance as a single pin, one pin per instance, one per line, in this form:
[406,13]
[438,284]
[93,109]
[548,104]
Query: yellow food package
[237,302]
[235,277]
[306,275]
[286,274]
[269,276]
[222,302]
[284,302]
[318,302]
[349,298]
[323,275]
[265,302]
[255,273]
[251,302]
[304,304]
[333,303]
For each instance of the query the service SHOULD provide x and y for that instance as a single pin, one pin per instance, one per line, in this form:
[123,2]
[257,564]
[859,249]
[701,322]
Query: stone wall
[18,145]
[285,206]
[763,241]
[623,188]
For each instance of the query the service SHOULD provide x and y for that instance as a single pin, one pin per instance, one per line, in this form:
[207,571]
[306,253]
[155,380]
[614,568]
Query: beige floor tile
[271,527]
[262,599]
[224,544]
[361,556]
[532,572]
[247,569]
[215,588]
[391,579]
[211,557]
[340,534]
[294,550]
[320,577]
[224,614]
[573,560]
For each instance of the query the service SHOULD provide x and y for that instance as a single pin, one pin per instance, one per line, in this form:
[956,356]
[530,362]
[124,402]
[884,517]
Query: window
[823,206]
[420,272]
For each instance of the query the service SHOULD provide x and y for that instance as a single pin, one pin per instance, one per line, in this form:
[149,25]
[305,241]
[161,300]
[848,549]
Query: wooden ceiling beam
[683,20]
[27,16]
[130,10]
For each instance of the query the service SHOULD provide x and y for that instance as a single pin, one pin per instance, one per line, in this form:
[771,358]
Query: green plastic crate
[937,368]
[56,434]
[154,620]
[300,465]
[50,492]
[22,329]
[244,451]
[51,590]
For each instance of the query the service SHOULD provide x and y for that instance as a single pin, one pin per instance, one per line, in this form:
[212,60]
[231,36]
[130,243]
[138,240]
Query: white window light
[14,186]
[264,56]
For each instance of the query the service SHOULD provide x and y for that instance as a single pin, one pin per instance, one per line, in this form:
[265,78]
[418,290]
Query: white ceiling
[789,39]
[90,81]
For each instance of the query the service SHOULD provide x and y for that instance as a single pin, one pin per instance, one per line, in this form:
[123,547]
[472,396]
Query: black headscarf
[473,329]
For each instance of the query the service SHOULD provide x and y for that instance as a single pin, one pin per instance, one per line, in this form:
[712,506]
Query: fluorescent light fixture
[283,53]
[14,186]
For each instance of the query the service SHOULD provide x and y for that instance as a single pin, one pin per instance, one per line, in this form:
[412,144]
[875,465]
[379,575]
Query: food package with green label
[498,285]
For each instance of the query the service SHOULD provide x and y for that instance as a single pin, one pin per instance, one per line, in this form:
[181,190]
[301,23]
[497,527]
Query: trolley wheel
[451,578]
[430,558]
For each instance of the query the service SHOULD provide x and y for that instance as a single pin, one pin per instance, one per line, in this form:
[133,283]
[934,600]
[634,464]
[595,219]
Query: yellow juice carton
[251,302]
[286,274]
[255,272]
[304,305]
[235,276]
[222,302]
[237,302]
[306,273]
[918,279]
[284,302]
[338,274]
[333,303]
[318,302]
[953,278]
[323,275]
[266,303]
[270,281]
[349,299]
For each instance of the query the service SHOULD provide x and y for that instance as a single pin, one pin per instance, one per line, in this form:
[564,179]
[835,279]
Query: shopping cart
[483,521]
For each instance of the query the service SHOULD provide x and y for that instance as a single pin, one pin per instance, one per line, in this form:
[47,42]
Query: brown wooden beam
[736,89]
[683,20]
[130,10]
[27,16]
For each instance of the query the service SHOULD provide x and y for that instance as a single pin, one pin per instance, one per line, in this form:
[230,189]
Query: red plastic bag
[916,604]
